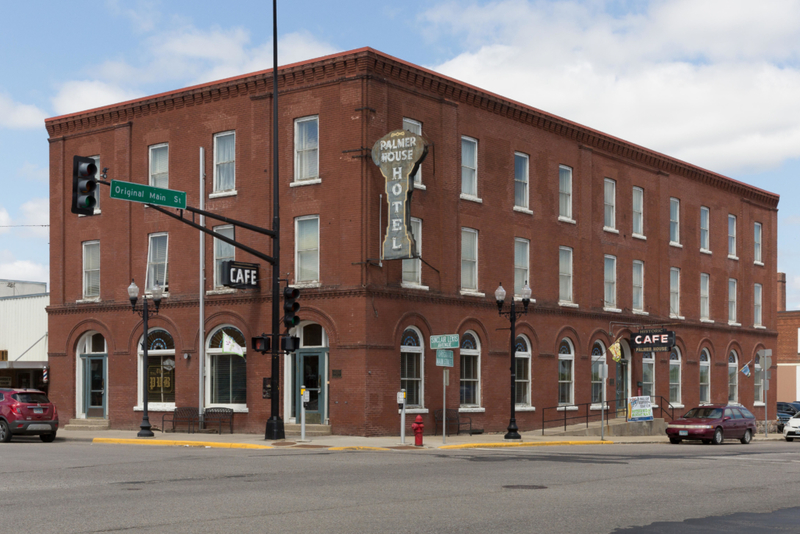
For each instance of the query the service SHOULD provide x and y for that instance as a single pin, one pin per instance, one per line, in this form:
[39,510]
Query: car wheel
[789,439]
[718,437]
[5,432]
[48,438]
[675,441]
[748,435]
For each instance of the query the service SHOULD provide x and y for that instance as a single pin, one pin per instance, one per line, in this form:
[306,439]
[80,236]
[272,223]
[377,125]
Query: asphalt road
[67,487]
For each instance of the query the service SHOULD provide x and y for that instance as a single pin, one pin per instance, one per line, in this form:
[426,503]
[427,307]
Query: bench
[218,416]
[190,416]
[454,418]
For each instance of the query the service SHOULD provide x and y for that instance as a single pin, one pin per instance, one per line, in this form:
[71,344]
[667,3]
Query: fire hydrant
[418,426]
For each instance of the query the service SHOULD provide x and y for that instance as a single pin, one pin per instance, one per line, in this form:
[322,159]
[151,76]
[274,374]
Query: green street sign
[147,194]
[445,341]
[444,358]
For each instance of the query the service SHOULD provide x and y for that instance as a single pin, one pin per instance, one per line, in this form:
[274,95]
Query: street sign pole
[445,382]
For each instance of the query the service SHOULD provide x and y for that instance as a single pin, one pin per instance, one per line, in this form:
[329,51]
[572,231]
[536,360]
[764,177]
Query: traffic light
[84,183]
[262,343]
[290,344]
[290,307]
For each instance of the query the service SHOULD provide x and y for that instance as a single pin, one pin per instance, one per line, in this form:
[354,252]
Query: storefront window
[227,372]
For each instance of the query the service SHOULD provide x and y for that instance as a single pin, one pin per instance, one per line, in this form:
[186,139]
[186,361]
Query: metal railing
[587,411]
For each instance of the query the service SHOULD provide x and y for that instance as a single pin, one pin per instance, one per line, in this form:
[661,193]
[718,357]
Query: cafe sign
[653,340]
[399,154]
[239,274]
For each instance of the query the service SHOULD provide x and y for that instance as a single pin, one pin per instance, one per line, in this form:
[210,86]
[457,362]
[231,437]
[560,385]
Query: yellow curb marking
[358,449]
[533,444]
[173,443]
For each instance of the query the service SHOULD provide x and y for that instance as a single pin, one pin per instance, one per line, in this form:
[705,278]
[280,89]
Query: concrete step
[87,424]
[291,429]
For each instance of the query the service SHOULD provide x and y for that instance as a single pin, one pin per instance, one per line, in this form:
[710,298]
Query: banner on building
[229,346]
[399,154]
[653,340]
[640,409]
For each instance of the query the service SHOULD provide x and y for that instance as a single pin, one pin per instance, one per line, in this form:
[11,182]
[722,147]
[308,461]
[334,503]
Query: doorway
[94,385]
[310,372]
[623,373]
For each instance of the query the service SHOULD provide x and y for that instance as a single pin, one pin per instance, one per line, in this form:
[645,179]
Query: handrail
[584,410]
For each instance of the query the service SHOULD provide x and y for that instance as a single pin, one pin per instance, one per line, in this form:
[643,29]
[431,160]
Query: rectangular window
[704,217]
[91,270]
[674,221]
[705,378]
[306,149]
[228,379]
[414,127]
[732,236]
[521,255]
[469,167]
[705,283]
[731,300]
[565,362]
[757,242]
[609,203]
[564,274]
[674,292]
[522,385]
[565,192]
[520,180]
[306,249]
[638,211]
[638,285]
[412,269]
[470,378]
[597,380]
[157,262]
[159,165]
[757,305]
[610,282]
[674,381]
[411,377]
[225,161]
[222,252]
[648,375]
[758,383]
[161,377]
[469,259]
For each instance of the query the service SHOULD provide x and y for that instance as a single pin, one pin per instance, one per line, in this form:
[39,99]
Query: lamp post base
[274,430]
[145,431]
[512,433]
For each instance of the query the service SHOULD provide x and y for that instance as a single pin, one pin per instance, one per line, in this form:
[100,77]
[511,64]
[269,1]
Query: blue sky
[715,83]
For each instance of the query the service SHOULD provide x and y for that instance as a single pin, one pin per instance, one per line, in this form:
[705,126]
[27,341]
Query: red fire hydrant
[418,426]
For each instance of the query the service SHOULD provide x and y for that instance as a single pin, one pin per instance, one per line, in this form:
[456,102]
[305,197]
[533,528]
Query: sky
[715,83]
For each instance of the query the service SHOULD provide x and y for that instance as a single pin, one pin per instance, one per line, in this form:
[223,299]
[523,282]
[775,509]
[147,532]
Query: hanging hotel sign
[399,154]
[239,274]
[653,340]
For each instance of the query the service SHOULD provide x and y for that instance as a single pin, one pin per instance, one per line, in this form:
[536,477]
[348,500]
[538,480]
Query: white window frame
[565,273]
[598,359]
[649,387]
[733,376]
[210,353]
[152,406]
[639,288]
[569,357]
[297,251]
[732,237]
[300,152]
[705,297]
[705,231]
[676,399]
[148,284]
[219,259]
[758,382]
[477,406]
[523,160]
[610,205]
[472,285]
[419,351]
[415,127]
[565,194]
[521,270]
[732,304]
[638,213]
[153,176]
[757,308]
[86,245]
[412,268]
[524,382]
[707,364]
[470,192]
[217,163]
[758,232]
[675,293]
[610,283]
[675,222]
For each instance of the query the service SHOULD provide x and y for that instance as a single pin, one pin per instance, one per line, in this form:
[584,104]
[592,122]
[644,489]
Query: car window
[703,413]
[2,397]
[728,412]
[747,414]
[31,398]
[737,414]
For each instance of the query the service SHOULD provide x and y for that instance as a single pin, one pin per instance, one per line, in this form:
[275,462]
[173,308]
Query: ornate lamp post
[133,294]
[500,296]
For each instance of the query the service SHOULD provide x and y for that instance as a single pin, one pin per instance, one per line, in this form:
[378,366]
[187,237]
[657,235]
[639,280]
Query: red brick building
[788,353]
[610,236]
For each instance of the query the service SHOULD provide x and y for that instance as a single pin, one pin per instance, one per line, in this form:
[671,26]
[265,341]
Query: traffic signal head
[290,307]
[84,183]
[261,343]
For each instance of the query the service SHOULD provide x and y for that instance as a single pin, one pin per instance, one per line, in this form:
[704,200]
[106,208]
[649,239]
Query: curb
[174,443]
[531,444]
[358,448]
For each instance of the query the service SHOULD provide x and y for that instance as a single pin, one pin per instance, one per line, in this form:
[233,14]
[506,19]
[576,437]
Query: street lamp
[500,296]
[133,294]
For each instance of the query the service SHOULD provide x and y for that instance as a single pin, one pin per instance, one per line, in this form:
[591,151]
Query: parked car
[713,423]
[27,412]
[783,418]
[788,407]
[791,429]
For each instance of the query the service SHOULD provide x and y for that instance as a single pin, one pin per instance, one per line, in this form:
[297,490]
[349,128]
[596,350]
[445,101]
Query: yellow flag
[616,351]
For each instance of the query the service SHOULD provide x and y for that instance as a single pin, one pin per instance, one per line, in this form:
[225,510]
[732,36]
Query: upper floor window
[705,215]
[469,259]
[757,243]
[674,221]
[732,236]
[306,148]
[520,180]
[159,165]
[674,292]
[609,203]
[565,192]
[91,270]
[306,249]
[732,301]
[157,272]
[225,161]
[565,274]
[705,283]
[222,252]
[638,211]
[414,127]
[412,268]
[610,282]
[757,305]
[638,285]
[469,167]
[521,256]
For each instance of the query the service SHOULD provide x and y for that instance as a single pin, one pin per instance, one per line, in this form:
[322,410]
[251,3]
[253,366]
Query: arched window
[598,384]
[522,371]
[226,382]
[411,367]
[566,376]
[733,379]
[649,375]
[675,375]
[705,376]
[160,369]
[758,381]
[470,371]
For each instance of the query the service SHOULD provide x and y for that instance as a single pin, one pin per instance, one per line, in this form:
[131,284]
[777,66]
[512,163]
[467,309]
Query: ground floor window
[522,371]
[160,366]
[566,358]
[648,375]
[675,376]
[227,371]
[758,381]
[733,379]
[411,354]
[470,370]
[598,384]
[705,376]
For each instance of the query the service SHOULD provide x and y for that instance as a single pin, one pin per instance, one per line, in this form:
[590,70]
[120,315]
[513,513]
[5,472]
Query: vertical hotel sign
[399,154]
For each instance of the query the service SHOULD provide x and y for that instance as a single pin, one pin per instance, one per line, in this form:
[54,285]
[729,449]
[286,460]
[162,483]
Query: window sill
[613,310]
[677,405]
[524,408]
[226,291]
[610,230]
[675,244]
[567,409]
[414,411]
[310,181]
[471,409]
[707,321]
[640,312]
[760,264]
[306,285]
[471,293]
[517,298]
[673,316]
[639,236]
[759,326]
[758,403]
[471,198]
[237,408]
[705,251]
[156,407]
[561,218]
[597,408]
[222,194]
[418,185]
[520,209]
[411,285]
[733,257]
[88,300]
[567,304]
[734,323]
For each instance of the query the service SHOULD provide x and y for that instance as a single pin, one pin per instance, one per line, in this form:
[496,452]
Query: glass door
[622,385]
[310,372]
[94,383]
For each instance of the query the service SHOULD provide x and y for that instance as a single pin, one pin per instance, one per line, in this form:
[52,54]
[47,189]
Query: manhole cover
[522,487]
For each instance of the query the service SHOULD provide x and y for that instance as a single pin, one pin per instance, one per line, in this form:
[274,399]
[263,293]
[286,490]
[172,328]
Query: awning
[24,365]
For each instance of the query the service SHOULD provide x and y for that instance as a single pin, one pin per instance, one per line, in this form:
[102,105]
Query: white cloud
[22,116]
[5,221]
[77,95]
[34,172]
[14,269]
[35,215]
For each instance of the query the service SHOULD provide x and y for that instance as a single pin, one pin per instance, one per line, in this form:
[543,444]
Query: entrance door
[622,384]
[94,384]
[311,374]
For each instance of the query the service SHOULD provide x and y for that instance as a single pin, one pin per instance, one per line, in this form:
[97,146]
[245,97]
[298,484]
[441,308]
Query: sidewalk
[346,443]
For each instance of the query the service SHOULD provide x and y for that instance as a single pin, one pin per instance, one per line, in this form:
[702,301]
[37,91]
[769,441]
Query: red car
[27,412]
[712,423]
